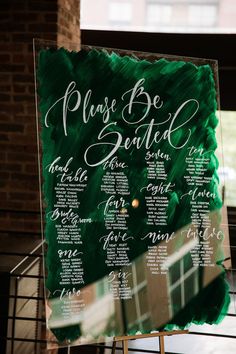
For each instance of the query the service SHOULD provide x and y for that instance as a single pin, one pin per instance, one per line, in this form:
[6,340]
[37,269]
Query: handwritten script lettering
[110,136]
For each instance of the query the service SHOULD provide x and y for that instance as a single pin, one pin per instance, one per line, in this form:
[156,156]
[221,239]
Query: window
[102,288]
[183,282]
[120,12]
[202,15]
[182,276]
[158,14]
[176,16]
[137,310]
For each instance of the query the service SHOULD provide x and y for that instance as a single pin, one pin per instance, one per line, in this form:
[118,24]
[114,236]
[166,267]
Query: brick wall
[20,22]
[68,22]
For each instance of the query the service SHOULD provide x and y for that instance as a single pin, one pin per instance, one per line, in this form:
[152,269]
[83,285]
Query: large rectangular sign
[130,188]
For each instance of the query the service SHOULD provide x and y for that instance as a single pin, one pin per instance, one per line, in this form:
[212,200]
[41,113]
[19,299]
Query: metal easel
[160,335]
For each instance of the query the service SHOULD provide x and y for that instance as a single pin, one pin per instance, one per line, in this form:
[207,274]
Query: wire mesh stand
[160,335]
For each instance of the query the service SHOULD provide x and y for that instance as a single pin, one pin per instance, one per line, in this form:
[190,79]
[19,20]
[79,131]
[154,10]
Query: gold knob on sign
[135,203]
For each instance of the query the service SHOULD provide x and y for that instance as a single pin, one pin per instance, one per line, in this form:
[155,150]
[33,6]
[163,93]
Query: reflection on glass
[188,262]
[139,265]
[101,288]
[131,311]
[183,278]
[154,299]
[190,287]
[143,301]
[174,272]
[176,299]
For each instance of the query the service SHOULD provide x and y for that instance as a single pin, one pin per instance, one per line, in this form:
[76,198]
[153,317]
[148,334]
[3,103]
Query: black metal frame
[9,290]
[4,304]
